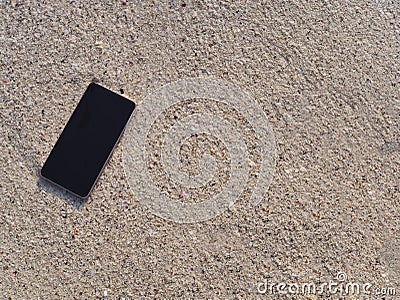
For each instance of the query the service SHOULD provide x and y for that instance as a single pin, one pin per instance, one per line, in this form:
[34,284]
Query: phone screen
[87,140]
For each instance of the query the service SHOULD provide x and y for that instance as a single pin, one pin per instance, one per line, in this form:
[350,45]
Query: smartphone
[87,140]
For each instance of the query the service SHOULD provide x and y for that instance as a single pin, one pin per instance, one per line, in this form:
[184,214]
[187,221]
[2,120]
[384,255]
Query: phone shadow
[71,199]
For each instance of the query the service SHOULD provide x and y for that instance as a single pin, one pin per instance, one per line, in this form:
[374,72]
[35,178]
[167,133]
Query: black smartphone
[87,141]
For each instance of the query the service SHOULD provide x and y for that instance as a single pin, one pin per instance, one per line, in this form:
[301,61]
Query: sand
[325,74]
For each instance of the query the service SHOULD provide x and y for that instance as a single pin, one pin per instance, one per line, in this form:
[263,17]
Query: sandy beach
[325,73]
